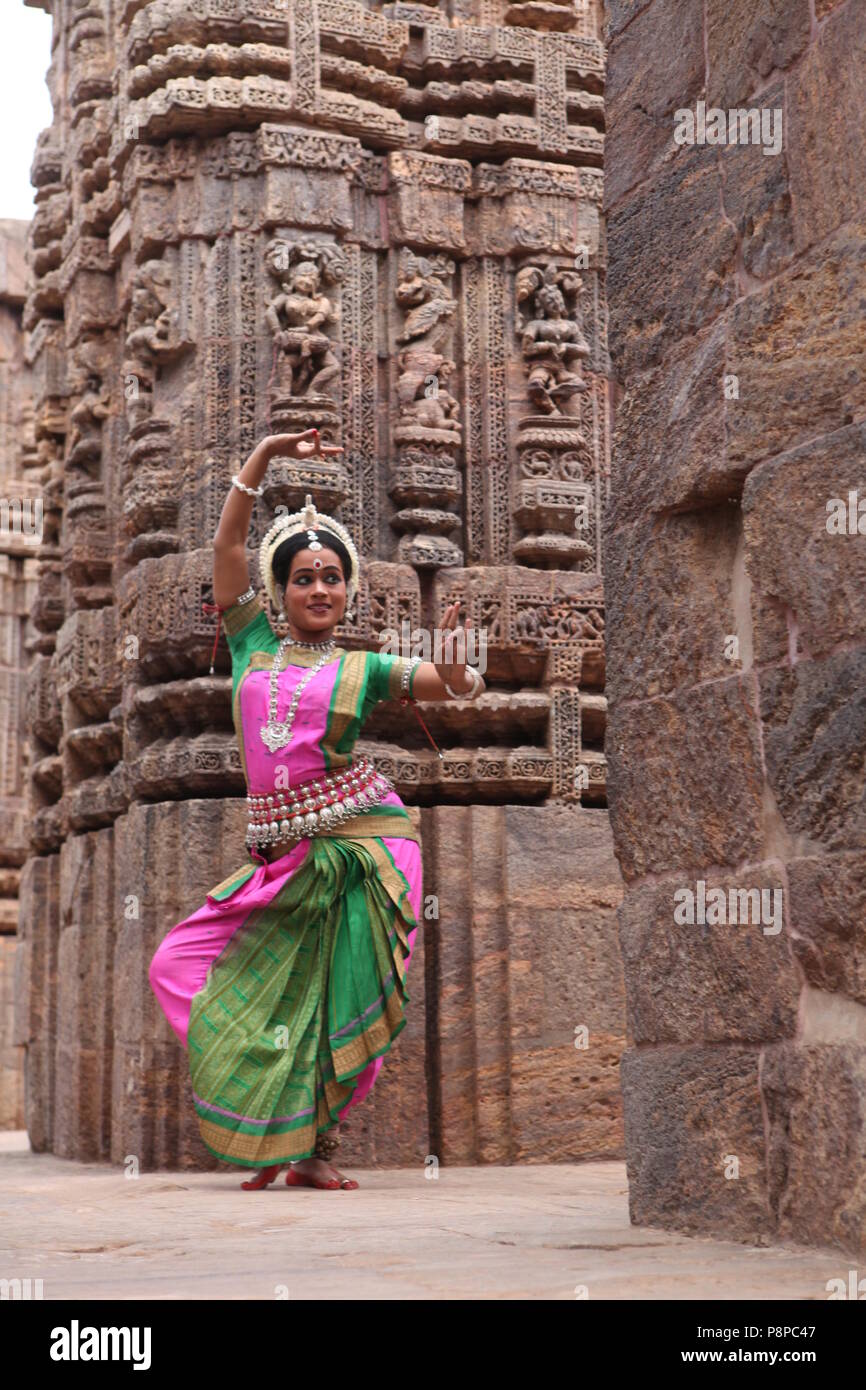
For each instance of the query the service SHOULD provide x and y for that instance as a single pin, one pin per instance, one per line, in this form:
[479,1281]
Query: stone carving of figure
[51,474]
[422,395]
[89,371]
[151,335]
[424,291]
[151,314]
[561,621]
[300,312]
[552,335]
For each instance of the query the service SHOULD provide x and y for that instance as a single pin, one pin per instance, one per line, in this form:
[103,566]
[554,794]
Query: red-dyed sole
[295,1179]
[266,1176]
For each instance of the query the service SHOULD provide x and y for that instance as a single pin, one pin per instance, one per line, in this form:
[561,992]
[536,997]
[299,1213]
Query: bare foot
[261,1179]
[322,1172]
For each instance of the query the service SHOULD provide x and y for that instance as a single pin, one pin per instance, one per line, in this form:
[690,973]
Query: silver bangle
[245,598]
[470,694]
[407,673]
[242,487]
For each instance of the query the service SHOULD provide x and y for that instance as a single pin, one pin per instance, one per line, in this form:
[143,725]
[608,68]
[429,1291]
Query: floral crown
[307,520]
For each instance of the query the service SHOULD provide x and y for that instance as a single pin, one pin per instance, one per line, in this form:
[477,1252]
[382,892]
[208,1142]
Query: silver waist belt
[317,805]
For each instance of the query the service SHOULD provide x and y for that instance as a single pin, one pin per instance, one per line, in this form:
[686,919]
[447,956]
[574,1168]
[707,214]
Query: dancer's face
[315,594]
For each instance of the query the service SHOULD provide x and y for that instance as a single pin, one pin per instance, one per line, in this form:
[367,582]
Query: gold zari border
[240,615]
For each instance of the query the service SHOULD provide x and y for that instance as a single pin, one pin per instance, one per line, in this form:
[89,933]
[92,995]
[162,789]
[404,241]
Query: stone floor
[543,1232]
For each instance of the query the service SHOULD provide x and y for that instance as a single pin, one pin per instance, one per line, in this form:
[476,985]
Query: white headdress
[307,520]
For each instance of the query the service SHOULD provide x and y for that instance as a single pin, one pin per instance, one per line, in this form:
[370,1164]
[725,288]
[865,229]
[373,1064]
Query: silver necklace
[274,734]
[308,646]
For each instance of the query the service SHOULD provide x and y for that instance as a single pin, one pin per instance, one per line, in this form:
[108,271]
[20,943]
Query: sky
[25,106]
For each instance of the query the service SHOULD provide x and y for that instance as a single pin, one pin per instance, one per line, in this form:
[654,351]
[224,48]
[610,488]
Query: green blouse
[363,680]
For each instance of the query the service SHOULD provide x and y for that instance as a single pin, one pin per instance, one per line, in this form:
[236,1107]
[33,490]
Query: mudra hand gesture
[297,446]
[453,670]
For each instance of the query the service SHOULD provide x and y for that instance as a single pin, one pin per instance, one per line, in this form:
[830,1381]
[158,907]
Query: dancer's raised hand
[298,446]
[452,669]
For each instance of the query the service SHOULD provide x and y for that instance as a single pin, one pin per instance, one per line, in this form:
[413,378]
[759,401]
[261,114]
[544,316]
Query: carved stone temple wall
[19,538]
[735,570]
[255,216]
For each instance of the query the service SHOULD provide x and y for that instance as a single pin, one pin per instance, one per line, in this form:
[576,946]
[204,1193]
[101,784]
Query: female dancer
[288,986]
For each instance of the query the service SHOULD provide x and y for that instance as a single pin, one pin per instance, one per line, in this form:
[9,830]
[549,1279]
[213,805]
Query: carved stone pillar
[382,220]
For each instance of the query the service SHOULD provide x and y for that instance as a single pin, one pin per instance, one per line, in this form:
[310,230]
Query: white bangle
[250,491]
[408,670]
[466,694]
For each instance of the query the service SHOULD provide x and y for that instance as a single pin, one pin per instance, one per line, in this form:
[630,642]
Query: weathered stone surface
[741,383]
[757,199]
[816,579]
[828,908]
[689,766]
[695,1147]
[36,992]
[664,282]
[728,980]
[814,719]
[661,69]
[619,13]
[798,351]
[747,40]
[816,1111]
[529,985]
[481,1232]
[669,442]
[449,950]
[673,611]
[825,140]
[565,985]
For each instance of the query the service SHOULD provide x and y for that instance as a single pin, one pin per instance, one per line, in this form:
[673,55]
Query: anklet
[325,1145]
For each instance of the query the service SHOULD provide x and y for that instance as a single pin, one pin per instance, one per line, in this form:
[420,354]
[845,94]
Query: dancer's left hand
[451,670]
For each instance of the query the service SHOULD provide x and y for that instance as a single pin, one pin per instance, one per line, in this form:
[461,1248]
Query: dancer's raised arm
[231,575]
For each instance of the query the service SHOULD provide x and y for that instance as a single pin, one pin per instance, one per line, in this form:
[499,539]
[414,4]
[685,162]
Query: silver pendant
[274,736]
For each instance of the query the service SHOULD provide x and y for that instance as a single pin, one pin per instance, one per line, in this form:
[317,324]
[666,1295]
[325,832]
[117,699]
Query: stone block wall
[735,569]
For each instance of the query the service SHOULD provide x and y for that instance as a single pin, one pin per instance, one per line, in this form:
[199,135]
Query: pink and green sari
[288,986]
